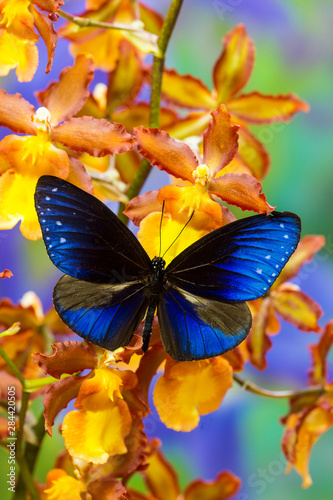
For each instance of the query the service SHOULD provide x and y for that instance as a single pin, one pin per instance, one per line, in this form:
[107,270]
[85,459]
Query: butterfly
[110,283]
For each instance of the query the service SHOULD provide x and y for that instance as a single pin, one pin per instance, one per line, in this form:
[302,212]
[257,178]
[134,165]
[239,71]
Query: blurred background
[294,52]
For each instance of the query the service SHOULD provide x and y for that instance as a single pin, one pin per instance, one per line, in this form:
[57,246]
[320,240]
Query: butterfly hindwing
[84,238]
[104,314]
[239,261]
[195,327]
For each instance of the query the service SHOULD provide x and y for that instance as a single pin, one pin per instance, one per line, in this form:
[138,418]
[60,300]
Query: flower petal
[190,389]
[6,274]
[16,113]
[220,140]
[241,190]
[88,435]
[57,397]
[252,152]
[186,91]
[192,125]
[223,487]
[305,251]
[45,27]
[138,114]
[319,352]
[126,79]
[258,108]
[96,137]
[161,478]
[17,53]
[258,342]
[141,206]
[234,67]
[298,308]
[50,6]
[167,154]
[105,489]
[67,96]
[67,357]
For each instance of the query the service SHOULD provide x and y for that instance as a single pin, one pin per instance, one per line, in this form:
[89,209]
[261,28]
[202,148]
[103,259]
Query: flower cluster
[105,140]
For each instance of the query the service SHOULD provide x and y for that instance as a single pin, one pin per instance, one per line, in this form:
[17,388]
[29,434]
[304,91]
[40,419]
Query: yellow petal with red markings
[192,125]
[296,307]
[166,153]
[186,91]
[126,79]
[190,389]
[257,342]
[19,54]
[234,67]
[138,114]
[98,137]
[45,27]
[161,478]
[16,113]
[319,352]
[305,252]
[88,435]
[252,152]
[67,96]
[220,141]
[223,487]
[241,190]
[258,108]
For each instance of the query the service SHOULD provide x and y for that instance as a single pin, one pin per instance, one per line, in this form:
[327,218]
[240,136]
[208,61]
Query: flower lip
[42,119]
[202,174]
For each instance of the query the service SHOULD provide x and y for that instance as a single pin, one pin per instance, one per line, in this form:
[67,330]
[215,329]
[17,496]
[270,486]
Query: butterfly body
[111,284]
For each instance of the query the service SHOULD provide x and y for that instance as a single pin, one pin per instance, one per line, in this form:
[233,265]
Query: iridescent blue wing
[239,261]
[193,327]
[84,238]
[105,314]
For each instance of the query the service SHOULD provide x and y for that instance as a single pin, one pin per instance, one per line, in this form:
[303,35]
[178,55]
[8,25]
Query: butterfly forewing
[84,238]
[239,261]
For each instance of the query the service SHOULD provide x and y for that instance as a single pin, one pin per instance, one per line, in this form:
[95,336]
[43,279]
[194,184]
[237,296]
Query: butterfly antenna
[159,254]
[178,235]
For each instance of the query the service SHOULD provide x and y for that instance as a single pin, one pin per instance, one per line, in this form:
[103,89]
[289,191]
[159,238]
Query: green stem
[21,493]
[23,411]
[155,99]
[255,389]
[12,366]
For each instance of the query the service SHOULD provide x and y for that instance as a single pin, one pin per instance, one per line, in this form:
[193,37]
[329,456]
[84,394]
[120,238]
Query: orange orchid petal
[151,19]
[16,18]
[166,153]
[161,478]
[127,165]
[190,389]
[57,397]
[252,152]
[88,435]
[241,190]
[192,125]
[49,5]
[234,67]
[305,252]
[186,91]
[297,308]
[107,488]
[61,485]
[93,136]
[257,342]
[67,357]
[45,27]
[79,176]
[223,487]
[319,352]
[16,113]
[220,141]
[126,79]
[17,53]
[258,108]
[6,274]
[141,206]
[67,96]
[138,114]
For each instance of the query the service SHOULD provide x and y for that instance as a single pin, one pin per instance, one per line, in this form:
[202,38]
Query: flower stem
[255,389]
[12,366]
[155,99]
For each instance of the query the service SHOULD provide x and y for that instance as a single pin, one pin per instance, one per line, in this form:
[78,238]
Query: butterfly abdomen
[154,284]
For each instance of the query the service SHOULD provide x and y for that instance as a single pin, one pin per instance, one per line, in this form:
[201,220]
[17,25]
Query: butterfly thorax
[156,279]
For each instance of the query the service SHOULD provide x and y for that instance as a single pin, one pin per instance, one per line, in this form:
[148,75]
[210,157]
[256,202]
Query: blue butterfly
[110,283]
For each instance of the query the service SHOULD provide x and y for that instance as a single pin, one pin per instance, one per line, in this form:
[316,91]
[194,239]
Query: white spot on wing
[273,274]
[286,236]
[54,190]
[58,223]
[47,198]
[62,240]
[267,257]
[259,271]
[46,229]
